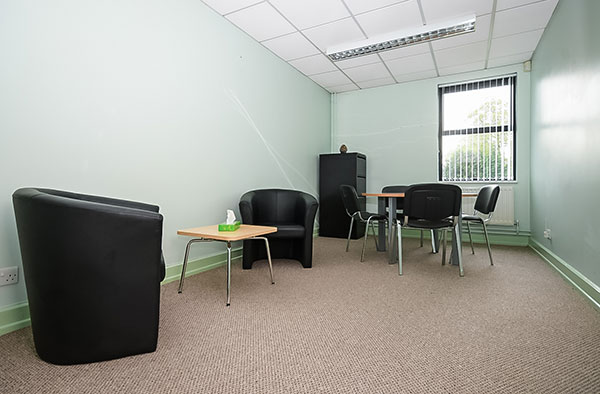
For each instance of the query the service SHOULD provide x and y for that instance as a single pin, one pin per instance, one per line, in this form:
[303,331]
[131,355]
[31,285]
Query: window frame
[479,130]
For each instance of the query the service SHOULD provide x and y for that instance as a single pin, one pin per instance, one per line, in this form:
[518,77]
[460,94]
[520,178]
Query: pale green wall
[565,138]
[158,101]
[397,128]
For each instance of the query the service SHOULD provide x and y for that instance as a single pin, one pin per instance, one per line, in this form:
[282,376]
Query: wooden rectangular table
[212,233]
[391,197]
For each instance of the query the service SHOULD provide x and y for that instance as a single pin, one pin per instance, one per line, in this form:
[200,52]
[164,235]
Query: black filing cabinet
[337,169]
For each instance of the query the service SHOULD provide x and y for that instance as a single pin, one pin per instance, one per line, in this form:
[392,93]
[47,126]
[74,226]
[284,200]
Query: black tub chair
[292,212]
[93,267]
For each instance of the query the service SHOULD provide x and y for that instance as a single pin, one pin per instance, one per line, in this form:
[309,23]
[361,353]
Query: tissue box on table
[229,227]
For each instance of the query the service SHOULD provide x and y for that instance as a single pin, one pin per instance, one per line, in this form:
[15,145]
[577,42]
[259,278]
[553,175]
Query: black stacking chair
[485,204]
[350,200]
[431,206]
[399,202]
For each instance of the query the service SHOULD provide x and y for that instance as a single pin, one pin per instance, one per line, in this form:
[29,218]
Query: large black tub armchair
[93,268]
[292,212]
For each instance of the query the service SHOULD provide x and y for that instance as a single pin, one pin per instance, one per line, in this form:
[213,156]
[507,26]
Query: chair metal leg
[374,235]
[444,246]
[458,244]
[349,232]
[399,233]
[362,255]
[487,240]
[421,238]
[470,238]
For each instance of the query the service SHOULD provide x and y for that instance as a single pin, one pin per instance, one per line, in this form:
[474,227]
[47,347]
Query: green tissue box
[229,227]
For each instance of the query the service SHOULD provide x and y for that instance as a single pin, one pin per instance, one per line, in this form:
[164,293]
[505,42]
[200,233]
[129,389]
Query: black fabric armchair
[92,267]
[292,212]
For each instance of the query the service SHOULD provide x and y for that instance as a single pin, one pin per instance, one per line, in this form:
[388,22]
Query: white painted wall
[157,101]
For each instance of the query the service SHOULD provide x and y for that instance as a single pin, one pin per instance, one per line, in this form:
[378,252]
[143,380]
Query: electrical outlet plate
[9,276]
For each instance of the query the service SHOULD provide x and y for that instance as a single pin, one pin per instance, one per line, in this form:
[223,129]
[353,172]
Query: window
[477,131]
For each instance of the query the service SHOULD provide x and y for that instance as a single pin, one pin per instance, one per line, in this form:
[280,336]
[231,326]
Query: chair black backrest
[395,189]
[432,201]
[275,206]
[350,198]
[487,199]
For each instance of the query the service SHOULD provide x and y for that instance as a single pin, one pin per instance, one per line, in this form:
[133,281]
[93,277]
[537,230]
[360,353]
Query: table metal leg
[381,210]
[185,260]
[391,221]
[228,272]
[268,256]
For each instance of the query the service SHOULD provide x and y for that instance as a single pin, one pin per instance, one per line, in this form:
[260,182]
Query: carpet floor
[351,327]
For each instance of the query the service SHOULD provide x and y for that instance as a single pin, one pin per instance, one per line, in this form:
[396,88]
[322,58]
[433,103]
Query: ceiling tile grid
[300,33]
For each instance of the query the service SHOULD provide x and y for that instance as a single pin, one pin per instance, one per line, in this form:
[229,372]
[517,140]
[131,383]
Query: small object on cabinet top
[343,149]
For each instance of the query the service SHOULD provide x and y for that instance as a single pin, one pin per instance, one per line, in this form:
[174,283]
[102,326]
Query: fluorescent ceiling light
[401,39]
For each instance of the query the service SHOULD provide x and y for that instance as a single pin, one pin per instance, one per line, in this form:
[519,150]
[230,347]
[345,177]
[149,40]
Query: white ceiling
[300,31]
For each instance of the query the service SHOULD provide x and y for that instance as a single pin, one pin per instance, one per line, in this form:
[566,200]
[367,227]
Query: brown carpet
[350,327]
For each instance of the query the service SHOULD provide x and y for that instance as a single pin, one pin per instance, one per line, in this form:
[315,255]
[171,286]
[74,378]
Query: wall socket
[547,233]
[9,276]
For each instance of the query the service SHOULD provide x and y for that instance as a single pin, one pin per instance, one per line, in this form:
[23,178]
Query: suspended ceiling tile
[481,33]
[462,68]
[465,54]
[225,7]
[313,64]
[342,88]
[367,72]
[360,6]
[308,13]
[416,76]
[358,61]
[526,18]
[517,43]
[261,21]
[410,50]
[334,33]
[401,16]
[376,82]
[411,64]
[333,78]
[508,60]
[440,10]
[291,46]
[504,4]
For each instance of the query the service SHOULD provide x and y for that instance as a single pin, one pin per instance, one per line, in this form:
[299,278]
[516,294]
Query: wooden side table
[212,233]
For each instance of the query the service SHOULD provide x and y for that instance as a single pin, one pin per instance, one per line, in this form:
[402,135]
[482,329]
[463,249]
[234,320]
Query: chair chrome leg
[470,238]
[399,233]
[374,235]
[444,247]
[362,254]
[458,244]
[421,238]
[350,233]
[487,240]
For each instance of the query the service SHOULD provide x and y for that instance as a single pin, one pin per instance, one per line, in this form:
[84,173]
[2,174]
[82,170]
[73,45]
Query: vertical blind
[477,130]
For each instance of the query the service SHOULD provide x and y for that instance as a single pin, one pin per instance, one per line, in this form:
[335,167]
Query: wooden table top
[401,195]
[212,232]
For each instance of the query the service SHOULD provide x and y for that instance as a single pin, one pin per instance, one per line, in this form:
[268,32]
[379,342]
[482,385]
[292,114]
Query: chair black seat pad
[429,224]
[472,218]
[374,216]
[286,230]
